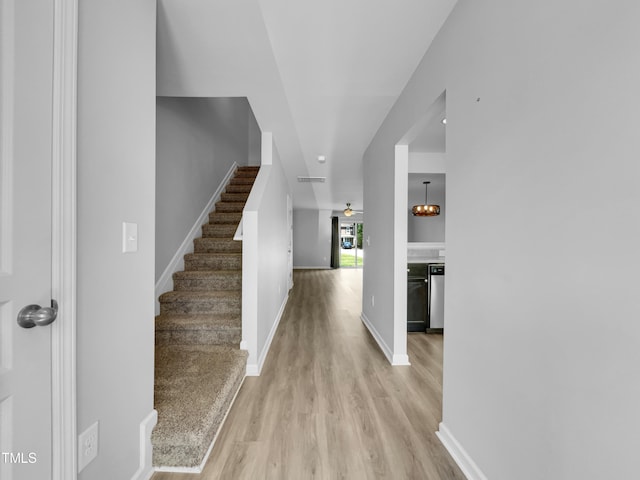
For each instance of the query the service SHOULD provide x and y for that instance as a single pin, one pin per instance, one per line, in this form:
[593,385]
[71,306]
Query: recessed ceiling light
[444,121]
[322,158]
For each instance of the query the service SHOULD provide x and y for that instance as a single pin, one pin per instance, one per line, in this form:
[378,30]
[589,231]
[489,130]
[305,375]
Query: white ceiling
[321,76]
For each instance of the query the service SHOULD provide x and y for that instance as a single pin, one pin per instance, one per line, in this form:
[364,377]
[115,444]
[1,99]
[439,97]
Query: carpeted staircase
[199,366]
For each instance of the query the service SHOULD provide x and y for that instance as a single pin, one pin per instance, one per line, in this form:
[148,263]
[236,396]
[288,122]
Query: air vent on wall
[312,179]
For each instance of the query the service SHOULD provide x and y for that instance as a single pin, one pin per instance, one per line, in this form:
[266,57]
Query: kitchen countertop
[425,259]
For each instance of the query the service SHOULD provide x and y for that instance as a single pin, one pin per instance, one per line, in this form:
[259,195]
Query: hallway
[328,404]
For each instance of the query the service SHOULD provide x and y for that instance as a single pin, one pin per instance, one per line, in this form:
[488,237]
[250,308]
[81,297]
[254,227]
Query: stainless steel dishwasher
[435,307]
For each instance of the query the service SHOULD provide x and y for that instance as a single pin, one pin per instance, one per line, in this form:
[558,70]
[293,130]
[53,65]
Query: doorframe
[64,247]
[342,220]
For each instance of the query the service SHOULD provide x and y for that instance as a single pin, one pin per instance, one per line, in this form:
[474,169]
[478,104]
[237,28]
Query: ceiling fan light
[347,211]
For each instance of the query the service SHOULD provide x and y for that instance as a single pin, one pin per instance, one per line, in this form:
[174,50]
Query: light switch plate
[129,237]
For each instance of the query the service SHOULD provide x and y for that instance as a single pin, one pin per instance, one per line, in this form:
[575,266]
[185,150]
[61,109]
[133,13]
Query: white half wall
[311,238]
[116,184]
[541,347]
[265,269]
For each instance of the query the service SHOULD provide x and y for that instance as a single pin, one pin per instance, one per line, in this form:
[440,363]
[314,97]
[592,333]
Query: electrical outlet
[87,446]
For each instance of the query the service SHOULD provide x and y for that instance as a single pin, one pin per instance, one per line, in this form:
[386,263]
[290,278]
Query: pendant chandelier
[426,210]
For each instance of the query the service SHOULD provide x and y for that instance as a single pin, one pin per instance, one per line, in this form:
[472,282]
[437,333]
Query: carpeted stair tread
[234,197]
[244,173]
[199,322]
[207,280]
[174,296]
[204,378]
[212,329]
[242,180]
[219,230]
[225,217]
[241,188]
[213,261]
[216,245]
[230,207]
[200,302]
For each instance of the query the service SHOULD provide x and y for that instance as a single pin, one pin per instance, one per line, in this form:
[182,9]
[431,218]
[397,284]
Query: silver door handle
[34,315]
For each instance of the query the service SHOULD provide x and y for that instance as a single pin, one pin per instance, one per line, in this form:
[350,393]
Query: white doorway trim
[63,221]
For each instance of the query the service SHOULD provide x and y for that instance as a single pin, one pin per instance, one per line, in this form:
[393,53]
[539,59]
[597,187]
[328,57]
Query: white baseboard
[459,454]
[296,267]
[200,467]
[253,370]
[394,359]
[400,360]
[165,282]
[145,470]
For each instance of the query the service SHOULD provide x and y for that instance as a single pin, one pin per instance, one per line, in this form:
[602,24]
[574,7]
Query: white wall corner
[459,454]
[394,359]
[165,282]
[145,470]
[401,188]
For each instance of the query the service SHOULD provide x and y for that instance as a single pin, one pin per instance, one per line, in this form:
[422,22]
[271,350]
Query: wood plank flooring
[328,405]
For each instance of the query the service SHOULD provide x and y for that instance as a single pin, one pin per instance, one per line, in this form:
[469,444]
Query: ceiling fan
[349,211]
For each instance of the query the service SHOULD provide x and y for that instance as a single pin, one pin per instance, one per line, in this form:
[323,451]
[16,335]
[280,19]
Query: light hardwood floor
[328,405]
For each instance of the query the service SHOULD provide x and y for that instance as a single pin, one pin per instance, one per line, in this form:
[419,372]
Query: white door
[26,38]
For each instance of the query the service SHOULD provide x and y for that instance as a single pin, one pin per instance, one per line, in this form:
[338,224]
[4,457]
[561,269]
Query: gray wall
[116,183]
[541,350]
[311,238]
[198,139]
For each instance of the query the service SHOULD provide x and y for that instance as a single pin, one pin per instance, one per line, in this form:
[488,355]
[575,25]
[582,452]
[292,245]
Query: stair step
[205,378]
[249,168]
[207,280]
[217,245]
[219,230]
[198,330]
[235,197]
[225,217]
[200,302]
[242,181]
[245,173]
[241,188]
[213,261]
[229,207]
